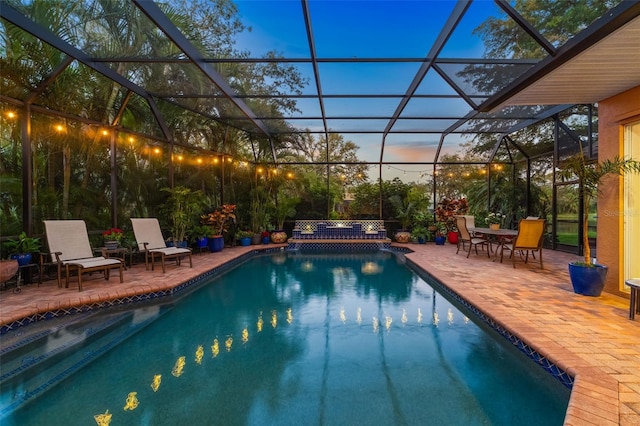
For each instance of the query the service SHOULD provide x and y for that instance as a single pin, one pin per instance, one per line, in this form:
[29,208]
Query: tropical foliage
[591,174]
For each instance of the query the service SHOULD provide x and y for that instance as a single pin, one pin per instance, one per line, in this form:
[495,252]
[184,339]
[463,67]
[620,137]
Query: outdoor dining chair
[151,243]
[68,243]
[466,237]
[528,240]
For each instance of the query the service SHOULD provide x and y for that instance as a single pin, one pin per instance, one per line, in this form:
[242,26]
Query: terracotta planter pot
[8,269]
[494,226]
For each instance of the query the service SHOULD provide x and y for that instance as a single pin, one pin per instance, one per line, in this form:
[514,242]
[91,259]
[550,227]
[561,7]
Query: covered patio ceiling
[405,81]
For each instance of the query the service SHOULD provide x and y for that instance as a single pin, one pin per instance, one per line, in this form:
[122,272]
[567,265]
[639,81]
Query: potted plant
[259,216]
[404,210]
[440,230]
[419,233]
[447,211]
[283,208]
[494,220]
[588,278]
[244,237]
[219,222]
[265,235]
[22,248]
[112,238]
[200,235]
[182,207]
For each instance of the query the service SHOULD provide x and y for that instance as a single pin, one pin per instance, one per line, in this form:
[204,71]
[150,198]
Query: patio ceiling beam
[50,79]
[452,130]
[454,18]
[163,23]
[154,60]
[454,86]
[296,96]
[518,147]
[526,26]
[316,70]
[538,118]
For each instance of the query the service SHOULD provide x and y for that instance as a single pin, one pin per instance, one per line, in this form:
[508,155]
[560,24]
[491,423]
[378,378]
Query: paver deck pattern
[589,337]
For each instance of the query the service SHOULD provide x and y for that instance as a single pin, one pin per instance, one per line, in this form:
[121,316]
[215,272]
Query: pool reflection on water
[295,338]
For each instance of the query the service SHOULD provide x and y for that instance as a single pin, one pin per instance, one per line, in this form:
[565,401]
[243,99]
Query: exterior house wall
[613,114]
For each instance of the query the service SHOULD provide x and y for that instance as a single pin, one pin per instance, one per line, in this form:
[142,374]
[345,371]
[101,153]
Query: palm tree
[590,175]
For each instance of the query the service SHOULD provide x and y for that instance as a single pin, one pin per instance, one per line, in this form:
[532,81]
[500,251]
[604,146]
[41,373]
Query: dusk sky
[370,29]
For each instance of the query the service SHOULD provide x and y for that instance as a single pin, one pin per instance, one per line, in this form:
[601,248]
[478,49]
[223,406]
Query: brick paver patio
[591,338]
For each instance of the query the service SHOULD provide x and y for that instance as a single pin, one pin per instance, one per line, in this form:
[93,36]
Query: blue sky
[369,29]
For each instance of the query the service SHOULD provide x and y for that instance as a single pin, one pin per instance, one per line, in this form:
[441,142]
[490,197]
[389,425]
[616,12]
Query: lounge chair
[466,237]
[152,244]
[69,246]
[528,240]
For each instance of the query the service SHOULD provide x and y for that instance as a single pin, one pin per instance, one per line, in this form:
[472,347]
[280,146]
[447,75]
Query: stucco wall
[613,113]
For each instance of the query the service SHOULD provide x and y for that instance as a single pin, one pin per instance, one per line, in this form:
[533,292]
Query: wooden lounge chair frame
[152,244]
[69,245]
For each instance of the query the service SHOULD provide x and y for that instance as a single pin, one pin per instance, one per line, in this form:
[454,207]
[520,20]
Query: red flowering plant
[113,234]
[220,220]
[265,234]
[448,209]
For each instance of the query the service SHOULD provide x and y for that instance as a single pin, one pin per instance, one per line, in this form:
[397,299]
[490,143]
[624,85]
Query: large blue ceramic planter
[23,259]
[216,243]
[588,281]
[203,242]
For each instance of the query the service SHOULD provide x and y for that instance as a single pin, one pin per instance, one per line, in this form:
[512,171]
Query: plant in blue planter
[244,237]
[587,277]
[440,231]
[200,235]
[419,233]
[218,222]
[266,237]
[22,248]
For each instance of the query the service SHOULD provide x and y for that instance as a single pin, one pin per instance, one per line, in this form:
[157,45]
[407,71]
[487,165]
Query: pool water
[284,339]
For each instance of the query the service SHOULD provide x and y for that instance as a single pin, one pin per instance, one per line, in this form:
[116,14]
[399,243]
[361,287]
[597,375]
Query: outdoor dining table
[501,235]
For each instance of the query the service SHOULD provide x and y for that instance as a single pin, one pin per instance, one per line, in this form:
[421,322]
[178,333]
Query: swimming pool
[288,338]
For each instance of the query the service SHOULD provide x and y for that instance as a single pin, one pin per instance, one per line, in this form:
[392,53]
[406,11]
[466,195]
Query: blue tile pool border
[43,316]
[549,366]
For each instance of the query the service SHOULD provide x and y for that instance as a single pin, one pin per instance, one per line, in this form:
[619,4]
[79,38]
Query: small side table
[634,303]
[116,253]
